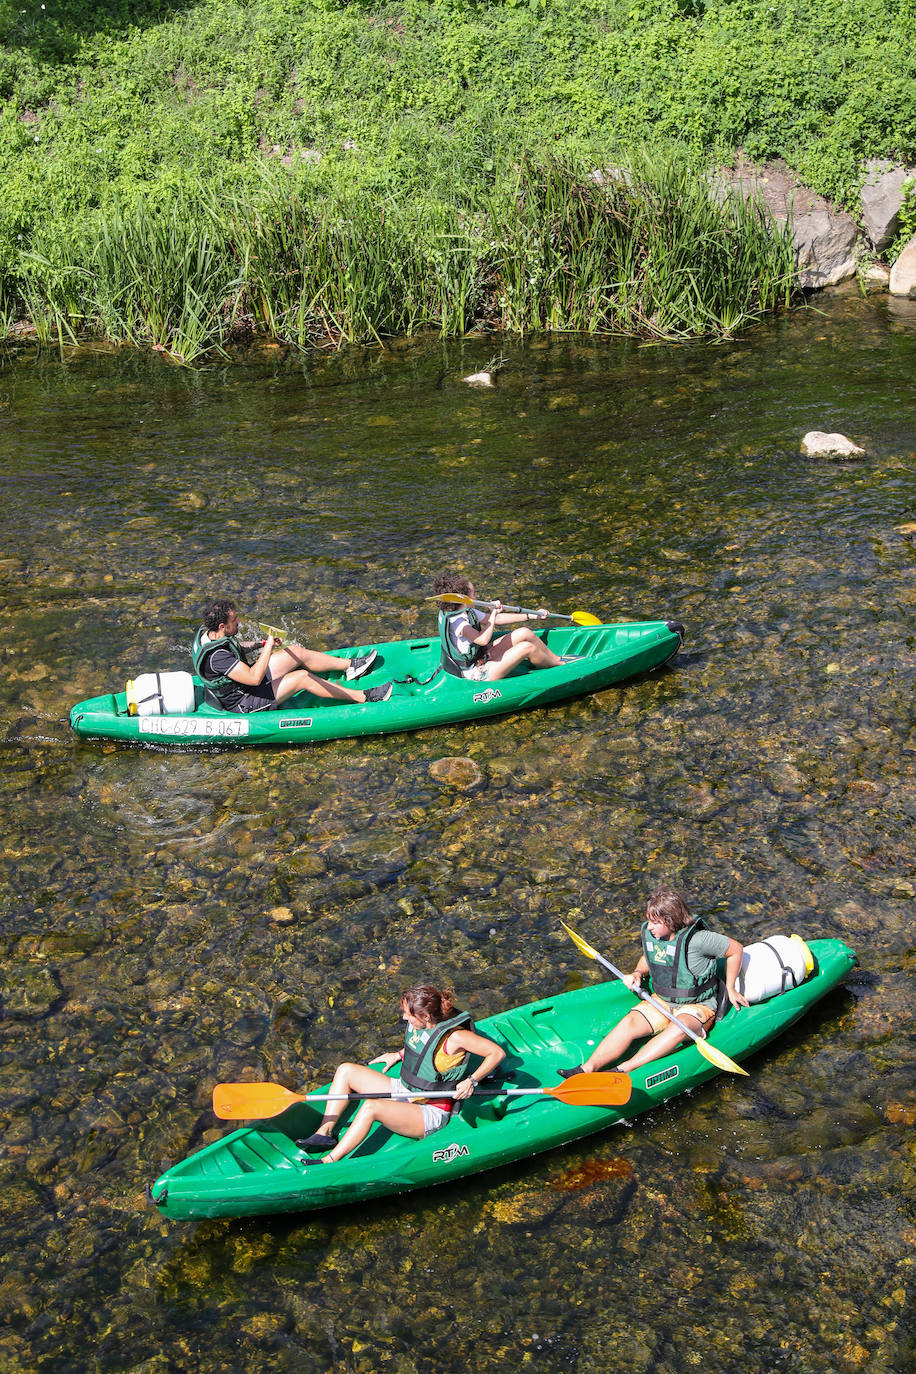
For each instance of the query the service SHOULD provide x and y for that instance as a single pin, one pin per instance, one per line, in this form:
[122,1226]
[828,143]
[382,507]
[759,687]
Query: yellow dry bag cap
[809,957]
[131,698]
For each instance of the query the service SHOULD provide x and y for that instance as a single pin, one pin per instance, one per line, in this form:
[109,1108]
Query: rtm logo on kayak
[295,722]
[489,695]
[453,1152]
[662,1077]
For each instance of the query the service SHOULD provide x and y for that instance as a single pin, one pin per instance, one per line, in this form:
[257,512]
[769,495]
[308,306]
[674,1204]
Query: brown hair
[425,1001]
[452,582]
[669,906]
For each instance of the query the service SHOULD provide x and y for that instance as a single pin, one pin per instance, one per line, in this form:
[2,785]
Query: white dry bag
[161,694]
[772,966]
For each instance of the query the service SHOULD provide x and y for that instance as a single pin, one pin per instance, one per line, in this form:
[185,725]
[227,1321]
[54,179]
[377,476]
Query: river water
[170,919]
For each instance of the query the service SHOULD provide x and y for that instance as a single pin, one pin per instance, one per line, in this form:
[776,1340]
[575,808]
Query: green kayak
[259,1169]
[422,696]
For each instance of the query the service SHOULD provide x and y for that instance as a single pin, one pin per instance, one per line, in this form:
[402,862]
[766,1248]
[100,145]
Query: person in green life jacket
[439,1045]
[470,647]
[681,956]
[246,677]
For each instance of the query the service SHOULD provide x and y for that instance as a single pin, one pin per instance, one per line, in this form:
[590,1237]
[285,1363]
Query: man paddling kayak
[681,956]
[438,1044]
[257,677]
[469,648]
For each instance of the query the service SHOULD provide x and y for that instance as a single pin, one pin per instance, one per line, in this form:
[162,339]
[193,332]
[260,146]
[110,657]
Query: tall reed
[644,249]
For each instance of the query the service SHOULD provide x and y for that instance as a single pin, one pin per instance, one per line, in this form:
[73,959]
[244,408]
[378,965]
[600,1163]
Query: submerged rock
[817,444]
[463,773]
[479,379]
[28,990]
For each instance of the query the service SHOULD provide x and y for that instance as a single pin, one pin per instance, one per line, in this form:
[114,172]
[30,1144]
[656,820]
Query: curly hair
[216,613]
[451,582]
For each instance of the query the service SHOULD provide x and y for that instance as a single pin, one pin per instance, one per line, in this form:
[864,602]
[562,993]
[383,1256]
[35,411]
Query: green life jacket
[672,980]
[201,652]
[420,1046]
[453,659]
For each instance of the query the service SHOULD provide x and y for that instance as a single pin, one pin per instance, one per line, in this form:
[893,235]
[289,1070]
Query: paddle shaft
[647,997]
[423,1093]
[523,610]
[258,1101]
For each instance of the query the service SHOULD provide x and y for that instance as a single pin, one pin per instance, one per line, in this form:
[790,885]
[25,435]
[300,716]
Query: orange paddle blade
[594,1090]
[251,1101]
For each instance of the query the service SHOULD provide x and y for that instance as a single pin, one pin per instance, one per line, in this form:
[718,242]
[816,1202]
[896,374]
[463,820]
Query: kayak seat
[527,1033]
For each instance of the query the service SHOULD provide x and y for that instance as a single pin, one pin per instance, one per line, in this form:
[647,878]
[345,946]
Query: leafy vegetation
[135,139]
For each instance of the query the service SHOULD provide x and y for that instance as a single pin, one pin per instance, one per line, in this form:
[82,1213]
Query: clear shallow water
[771,771]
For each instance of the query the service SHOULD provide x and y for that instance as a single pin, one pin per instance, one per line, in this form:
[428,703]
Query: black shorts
[260,698]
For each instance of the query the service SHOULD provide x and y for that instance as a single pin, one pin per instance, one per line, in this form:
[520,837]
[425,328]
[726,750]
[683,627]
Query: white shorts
[476,673]
[434,1118]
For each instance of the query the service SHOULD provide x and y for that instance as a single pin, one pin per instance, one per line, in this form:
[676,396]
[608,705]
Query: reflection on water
[171,919]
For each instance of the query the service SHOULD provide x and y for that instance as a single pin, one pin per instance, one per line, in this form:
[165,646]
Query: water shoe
[359,666]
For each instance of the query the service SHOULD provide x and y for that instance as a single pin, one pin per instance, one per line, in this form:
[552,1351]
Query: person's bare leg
[504,659]
[403,1118]
[661,1044]
[350,1078]
[303,681]
[293,656]
[634,1026]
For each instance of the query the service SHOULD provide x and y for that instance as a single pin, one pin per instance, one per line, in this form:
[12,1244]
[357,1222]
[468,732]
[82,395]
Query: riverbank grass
[643,249]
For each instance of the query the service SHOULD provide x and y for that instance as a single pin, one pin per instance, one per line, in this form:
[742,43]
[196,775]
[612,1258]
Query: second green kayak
[259,1169]
[423,695]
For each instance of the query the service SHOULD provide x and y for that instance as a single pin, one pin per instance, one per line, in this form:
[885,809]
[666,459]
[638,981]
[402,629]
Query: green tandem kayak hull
[258,1170]
[605,654]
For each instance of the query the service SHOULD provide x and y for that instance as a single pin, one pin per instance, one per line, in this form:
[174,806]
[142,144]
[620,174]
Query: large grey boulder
[903,272]
[882,197]
[825,244]
[824,238]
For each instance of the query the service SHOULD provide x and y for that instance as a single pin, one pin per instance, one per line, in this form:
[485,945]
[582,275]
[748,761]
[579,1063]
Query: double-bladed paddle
[714,1056]
[256,1101]
[456,599]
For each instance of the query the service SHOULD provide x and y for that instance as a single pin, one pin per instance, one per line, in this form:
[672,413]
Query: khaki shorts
[704,1012]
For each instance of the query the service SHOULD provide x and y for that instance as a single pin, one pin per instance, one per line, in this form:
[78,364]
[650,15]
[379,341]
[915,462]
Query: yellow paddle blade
[451,599]
[272,630]
[720,1060]
[579,942]
[584,618]
[251,1101]
[594,1090]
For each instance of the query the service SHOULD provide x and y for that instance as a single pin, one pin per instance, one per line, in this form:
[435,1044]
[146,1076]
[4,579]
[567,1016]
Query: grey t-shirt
[703,949]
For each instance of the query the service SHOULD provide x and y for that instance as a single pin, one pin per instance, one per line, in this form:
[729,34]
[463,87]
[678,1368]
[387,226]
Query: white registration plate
[194,727]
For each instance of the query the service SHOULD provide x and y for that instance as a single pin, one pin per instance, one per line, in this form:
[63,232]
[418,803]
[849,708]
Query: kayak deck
[422,696]
[259,1170]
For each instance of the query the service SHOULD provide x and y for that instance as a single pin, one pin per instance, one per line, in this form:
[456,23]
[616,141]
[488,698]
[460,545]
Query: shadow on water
[170,920]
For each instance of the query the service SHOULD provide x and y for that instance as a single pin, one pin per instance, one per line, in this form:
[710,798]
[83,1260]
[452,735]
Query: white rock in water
[479,379]
[817,444]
